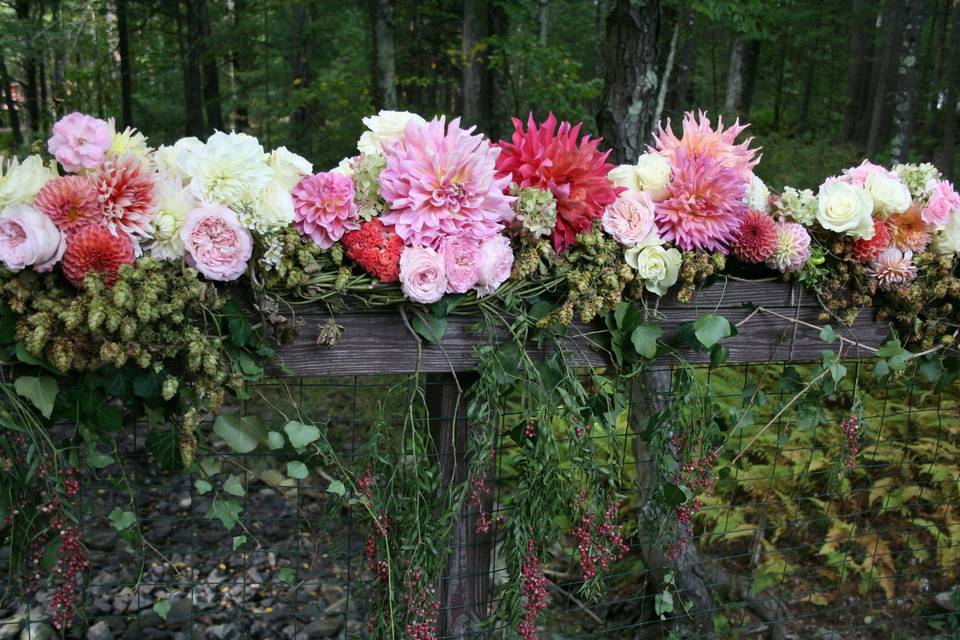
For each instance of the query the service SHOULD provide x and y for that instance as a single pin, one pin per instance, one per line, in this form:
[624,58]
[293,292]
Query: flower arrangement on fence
[112,251]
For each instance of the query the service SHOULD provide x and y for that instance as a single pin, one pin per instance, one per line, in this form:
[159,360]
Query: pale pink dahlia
[893,268]
[704,205]
[440,180]
[70,201]
[125,190]
[793,248]
[757,239]
[700,139]
[324,208]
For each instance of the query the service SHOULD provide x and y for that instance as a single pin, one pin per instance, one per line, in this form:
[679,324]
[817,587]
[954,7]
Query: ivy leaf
[286,575]
[234,486]
[827,334]
[300,434]
[162,608]
[226,511]
[430,328]
[41,391]
[645,337]
[297,470]
[98,460]
[711,329]
[202,486]
[336,488]
[122,520]
[165,448]
[275,440]
[243,435]
[719,354]
[147,385]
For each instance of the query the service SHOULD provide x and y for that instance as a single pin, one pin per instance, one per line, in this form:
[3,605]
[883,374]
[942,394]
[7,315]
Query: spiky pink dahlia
[793,248]
[705,204]
[439,181]
[70,201]
[575,172]
[324,208]
[700,139]
[757,238]
[126,191]
[893,268]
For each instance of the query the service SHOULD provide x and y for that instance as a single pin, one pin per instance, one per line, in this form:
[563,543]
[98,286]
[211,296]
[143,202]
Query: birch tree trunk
[126,73]
[384,55]
[947,148]
[543,21]
[667,72]
[630,81]
[858,72]
[192,80]
[734,95]
[905,98]
[881,93]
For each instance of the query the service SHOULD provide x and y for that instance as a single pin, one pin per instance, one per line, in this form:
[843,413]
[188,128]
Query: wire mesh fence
[869,553]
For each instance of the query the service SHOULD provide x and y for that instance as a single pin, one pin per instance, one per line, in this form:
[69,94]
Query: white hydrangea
[799,205]
[273,252]
[20,181]
[230,169]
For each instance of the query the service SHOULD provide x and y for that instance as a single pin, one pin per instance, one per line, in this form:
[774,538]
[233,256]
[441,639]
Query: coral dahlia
[705,204]
[70,201]
[376,248]
[575,172]
[864,251]
[893,268]
[94,249]
[757,239]
[908,231]
[126,193]
[440,180]
[700,139]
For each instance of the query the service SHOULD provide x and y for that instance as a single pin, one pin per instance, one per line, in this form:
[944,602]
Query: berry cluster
[421,606]
[535,590]
[481,488]
[681,529]
[851,446]
[599,541]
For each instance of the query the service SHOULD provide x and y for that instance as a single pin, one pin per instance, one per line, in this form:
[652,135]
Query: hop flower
[72,202]
[324,207]
[908,231]
[758,238]
[793,248]
[576,173]
[700,139]
[536,210]
[864,251]
[441,181]
[893,268]
[126,193]
[94,249]
[376,248]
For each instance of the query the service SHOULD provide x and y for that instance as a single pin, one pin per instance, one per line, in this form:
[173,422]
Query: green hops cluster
[536,210]
[300,259]
[695,268]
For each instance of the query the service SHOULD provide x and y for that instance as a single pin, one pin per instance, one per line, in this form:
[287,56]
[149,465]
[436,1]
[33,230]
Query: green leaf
[202,486]
[226,511]
[711,329]
[719,354]
[148,385]
[242,434]
[827,334]
[26,357]
[297,470]
[275,440]
[286,575]
[39,390]
[234,486]
[300,434]
[165,448]
[674,495]
[98,460]
[210,466]
[162,608]
[122,520]
[239,541]
[430,328]
[241,331]
[645,337]
[336,488]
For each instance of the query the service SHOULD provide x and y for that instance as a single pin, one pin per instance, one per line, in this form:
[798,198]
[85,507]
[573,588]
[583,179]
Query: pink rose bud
[423,277]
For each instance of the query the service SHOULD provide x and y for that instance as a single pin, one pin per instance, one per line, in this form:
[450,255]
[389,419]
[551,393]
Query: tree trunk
[667,72]
[192,80]
[734,95]
[12,115]
[858,72]
[59,60]
[543,21]
[211,72]
[778,91]
[683,92]
[126,73]
[881,94]
[31,94]
[384,55]
[302,80]
[630,81]
[808,80]
[500,110]
[750,72]
[947,150]
[475,87]
[239,63]
[905,99]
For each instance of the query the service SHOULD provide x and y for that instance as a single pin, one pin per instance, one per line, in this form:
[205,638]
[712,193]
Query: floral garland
[110,272]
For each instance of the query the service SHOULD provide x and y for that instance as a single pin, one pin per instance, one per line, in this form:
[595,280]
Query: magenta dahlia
[757,238]
[575,172]
[700,139]
[126,193]
[440,180]
[70,201]
[324,208]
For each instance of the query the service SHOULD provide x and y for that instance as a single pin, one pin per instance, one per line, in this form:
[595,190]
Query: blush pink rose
[494,264]
[28,238]
[460,255]
[216,243]
[79,141]
[943,200]
[630,219]
[423,277]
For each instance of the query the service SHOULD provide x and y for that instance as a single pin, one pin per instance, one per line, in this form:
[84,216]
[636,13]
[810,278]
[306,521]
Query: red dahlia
[376,248]
[864,251]
[575,172]
[70,201]
[758,238]
[94,249]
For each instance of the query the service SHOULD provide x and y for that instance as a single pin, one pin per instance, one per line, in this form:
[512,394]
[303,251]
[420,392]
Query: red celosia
[864,251]
[376,248]
[94,249]
[70,201]
[575,172]
[758,238]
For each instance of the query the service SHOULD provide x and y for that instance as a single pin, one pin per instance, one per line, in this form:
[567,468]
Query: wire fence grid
[873,557]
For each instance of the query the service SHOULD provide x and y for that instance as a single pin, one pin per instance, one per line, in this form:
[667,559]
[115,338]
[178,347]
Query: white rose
[657,267]
[948,239]
[845,208]
[889,194]
[651,175]
[20,181]
[274,208]
[384,127]
[758,195]
[288,167]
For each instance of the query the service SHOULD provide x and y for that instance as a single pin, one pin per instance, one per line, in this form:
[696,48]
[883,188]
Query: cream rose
[845,208]
[657,267]
[947,241]
[422,274]
[384,127]
[651,175]
[889,194]
[28,238]
[288,167]
[273,208]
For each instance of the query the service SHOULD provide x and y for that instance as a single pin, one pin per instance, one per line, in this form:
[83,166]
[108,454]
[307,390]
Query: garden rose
[460,256]
[845,208]
[942,202]
[80,141]
[651,175]
[288,167]
[216,243]
[385,127]
[494,265]
[28,238]
[888,193]
[273,209]
[948,240]
[630,219]
[423,277]
[657,267]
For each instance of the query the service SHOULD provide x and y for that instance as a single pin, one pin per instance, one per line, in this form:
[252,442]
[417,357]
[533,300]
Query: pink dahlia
[893,268]
[126,193]
[574,172]
[793,248]
[942,202]
[704,205]
[864,251]
[93,249]
[70,201]
[757,238]
[908,231]
[700,139]
[80,141]
[440,180]
[324,208]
